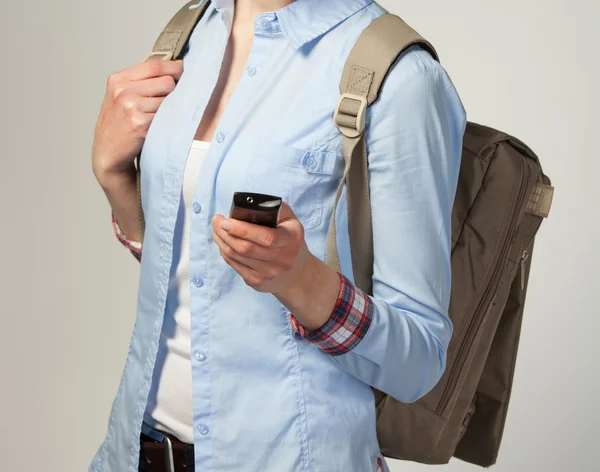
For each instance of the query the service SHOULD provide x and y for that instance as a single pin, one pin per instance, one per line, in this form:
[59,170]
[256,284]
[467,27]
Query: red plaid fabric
[134,247]
[347,325]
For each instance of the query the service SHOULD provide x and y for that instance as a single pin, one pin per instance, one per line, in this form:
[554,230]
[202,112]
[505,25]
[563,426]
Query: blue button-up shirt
[265,399]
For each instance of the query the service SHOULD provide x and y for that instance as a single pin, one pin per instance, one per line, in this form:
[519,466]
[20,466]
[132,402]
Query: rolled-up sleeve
[414,142]
[134,247]
[347,325]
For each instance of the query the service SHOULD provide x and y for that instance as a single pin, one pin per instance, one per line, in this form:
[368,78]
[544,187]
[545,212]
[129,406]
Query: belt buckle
[167,445]
[169,461]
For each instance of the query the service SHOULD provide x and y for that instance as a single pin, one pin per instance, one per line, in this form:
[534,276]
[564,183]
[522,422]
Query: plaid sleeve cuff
[347,325]
[134,246]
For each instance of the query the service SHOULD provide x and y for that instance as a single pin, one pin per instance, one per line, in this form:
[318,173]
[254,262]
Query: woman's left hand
[270,260]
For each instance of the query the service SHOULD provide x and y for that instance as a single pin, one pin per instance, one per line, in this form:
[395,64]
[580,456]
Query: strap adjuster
[349,119]
[164,55]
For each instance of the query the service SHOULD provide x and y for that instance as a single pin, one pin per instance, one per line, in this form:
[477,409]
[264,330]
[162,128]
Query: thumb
[286,213]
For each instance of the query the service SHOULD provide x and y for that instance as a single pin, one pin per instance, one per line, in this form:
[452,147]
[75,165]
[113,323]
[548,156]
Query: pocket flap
[314,162]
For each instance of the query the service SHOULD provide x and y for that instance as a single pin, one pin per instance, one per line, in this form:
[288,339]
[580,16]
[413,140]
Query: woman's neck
[250,8]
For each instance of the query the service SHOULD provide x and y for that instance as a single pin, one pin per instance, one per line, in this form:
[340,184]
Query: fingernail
[226,225]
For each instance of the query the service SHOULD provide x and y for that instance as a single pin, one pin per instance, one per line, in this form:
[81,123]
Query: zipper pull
[524,257]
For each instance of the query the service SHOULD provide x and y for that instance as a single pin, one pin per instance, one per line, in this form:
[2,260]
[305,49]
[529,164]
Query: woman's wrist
[313,297]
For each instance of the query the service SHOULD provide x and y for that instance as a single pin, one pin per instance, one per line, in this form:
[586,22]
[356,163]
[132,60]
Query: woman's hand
[277,261]
[268,259]
[132,98]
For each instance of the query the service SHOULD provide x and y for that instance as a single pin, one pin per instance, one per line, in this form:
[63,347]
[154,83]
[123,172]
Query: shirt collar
[223,4]
[305,20]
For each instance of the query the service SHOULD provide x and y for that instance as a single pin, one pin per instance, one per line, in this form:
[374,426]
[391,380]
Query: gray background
[68,289]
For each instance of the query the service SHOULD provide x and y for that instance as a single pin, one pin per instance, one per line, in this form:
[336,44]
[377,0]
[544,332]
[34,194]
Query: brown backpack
[501,200]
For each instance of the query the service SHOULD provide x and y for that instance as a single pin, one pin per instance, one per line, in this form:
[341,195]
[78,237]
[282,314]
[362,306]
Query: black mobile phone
[256,208]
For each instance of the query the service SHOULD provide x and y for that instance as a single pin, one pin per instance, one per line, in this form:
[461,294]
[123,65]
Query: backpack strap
[170,43]
[368,64]
[169,46]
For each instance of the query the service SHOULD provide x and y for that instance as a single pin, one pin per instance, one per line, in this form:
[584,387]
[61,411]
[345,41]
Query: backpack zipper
[524,257]
[487,295]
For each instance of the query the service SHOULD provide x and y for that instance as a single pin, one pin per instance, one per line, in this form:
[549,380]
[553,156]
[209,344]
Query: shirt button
[200,356]
[198,282]
[196,207]
[220,137]
[203,429]
[251,71]
[311,162]
[264,24]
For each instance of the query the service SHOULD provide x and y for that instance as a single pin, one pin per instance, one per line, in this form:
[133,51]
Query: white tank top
[169,406]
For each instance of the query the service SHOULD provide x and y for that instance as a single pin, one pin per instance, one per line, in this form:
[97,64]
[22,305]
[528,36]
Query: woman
[249,353]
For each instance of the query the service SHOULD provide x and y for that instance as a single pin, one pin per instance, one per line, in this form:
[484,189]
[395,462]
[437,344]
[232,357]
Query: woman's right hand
[132,98]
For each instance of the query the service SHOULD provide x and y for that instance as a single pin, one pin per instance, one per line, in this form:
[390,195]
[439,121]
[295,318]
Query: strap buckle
[164,55]
[350,120]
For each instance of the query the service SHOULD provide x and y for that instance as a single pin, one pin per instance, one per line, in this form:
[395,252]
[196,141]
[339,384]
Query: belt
[162,452]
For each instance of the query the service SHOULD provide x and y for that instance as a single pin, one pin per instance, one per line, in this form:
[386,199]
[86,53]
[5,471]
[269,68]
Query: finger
[141,121]
[245,272]
[286,213]
[247,248]
[227,252]
[132,102]
[156,87]
[261,235]
[258,242]
[149,104]
[148,117]
[154,68]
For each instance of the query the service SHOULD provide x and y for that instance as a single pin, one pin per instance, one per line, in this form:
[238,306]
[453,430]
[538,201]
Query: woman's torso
[262,397]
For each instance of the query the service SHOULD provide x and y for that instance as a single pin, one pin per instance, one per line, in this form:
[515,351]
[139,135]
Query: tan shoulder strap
[169,46]
[376,50]
[170,43]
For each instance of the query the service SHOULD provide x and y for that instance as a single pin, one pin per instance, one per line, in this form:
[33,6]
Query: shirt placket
[201,275]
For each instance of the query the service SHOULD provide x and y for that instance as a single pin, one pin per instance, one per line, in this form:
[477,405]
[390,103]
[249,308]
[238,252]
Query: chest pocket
[301,177]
